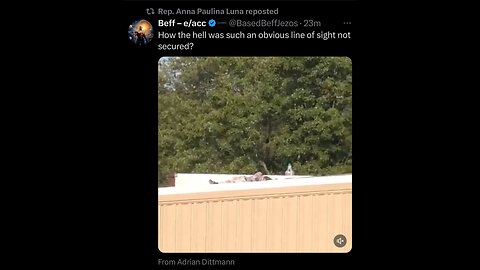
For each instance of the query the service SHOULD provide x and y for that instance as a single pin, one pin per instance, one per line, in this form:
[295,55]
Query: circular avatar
[140,32]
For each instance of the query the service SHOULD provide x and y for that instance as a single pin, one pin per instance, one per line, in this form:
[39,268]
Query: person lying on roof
[258,176]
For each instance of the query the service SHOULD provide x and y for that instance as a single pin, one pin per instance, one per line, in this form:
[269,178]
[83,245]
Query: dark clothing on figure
[140,38]
[256,177]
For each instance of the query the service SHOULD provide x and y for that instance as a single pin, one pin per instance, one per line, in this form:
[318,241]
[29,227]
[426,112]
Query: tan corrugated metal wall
[293,219]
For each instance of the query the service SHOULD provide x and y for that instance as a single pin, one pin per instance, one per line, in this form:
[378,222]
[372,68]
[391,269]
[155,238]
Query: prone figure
[258,176]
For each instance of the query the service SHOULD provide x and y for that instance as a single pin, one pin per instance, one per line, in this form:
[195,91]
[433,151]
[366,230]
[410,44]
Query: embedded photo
[255,154]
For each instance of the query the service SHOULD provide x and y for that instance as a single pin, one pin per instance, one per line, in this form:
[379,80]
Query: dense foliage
[243,114]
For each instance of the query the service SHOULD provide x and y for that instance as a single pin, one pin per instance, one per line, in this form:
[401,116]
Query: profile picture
[140,32]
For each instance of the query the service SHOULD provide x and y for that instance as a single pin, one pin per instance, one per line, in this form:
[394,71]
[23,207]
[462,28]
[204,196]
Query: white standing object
[289,170]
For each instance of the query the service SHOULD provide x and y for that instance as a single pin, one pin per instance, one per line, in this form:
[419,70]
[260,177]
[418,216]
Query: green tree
[241,114]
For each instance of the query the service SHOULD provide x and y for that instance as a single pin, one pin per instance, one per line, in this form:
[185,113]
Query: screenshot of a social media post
[248,125]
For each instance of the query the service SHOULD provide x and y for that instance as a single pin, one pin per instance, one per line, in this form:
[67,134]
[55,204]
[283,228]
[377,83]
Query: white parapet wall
[197,179]
[193,183]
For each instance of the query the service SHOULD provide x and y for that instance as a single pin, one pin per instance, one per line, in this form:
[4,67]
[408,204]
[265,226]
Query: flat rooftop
[281,181]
